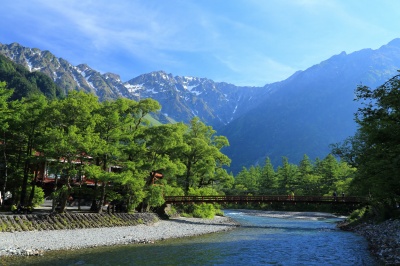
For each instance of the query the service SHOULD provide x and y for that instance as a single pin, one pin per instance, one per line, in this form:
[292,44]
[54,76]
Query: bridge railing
[264,198]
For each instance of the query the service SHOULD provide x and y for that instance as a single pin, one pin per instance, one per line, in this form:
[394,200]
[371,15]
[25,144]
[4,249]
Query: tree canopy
[77,138]
[375,149]
[322,177]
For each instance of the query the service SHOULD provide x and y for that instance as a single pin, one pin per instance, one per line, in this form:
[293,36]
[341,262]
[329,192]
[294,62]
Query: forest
[79,136]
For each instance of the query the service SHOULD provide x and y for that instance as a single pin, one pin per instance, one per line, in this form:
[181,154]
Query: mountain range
[300,115]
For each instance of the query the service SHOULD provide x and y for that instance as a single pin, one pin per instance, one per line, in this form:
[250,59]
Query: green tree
[346,175]
[115,121]
[25,126]
[328,169]
[287,176]
[268,179]
[122,121]
[247,181]
[157,149]
[375,149]
[309,183]
[5,113]
[70,135]
[203,158]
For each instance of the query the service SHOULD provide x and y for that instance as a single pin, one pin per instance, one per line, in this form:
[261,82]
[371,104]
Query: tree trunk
[187,178]
[80,187]
[93,207]
[64,197]
[5,164]
[63,201]
[54,203]
[32,194]
[24,183]
[79,195]
[102,197]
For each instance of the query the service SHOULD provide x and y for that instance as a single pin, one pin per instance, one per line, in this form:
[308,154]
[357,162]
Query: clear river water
[265,238]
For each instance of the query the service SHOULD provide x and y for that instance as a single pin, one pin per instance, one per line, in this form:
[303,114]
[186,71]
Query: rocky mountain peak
[112,76]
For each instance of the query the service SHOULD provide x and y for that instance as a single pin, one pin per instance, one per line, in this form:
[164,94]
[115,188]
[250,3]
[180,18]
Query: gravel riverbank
[27,243]
[383,240]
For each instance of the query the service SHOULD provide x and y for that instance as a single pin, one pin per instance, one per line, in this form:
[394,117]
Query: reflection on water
[261,240]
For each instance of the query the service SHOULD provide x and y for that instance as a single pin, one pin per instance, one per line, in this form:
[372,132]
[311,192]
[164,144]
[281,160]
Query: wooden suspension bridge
[265,199]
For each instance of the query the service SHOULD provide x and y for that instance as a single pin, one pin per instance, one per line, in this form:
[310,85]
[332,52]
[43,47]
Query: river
[265,238]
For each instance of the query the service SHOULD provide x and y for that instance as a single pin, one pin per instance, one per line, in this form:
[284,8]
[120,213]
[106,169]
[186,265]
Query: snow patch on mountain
[76,80]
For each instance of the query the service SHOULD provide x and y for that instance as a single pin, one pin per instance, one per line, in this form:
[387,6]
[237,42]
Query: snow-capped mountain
[181,98]
[185,97]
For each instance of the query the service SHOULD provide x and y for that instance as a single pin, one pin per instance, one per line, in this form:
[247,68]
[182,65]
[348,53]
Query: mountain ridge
[213,102]
[316,108]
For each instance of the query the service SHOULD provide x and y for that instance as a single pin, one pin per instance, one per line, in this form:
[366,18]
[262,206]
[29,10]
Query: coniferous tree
[287,176]
[268,179]
[5,113]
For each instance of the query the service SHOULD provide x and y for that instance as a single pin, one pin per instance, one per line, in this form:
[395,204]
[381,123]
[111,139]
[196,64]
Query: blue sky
[244,42]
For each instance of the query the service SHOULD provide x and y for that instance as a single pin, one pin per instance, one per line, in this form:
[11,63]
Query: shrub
[38,197]
[204,210]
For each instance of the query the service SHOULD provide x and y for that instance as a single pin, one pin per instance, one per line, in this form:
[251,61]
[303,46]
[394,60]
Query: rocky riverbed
[38,242]
[383,239]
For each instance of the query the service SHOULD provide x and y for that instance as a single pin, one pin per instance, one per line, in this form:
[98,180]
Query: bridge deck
[274,198]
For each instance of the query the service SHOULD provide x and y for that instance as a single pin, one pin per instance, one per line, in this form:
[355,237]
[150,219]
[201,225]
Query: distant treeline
[322,177]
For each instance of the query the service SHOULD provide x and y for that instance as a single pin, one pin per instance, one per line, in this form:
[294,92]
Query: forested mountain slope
[309,110]
[26,83]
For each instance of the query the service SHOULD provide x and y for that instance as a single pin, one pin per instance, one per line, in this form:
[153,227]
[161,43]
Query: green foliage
[204,210]
[248,181]
[203,191]
[287,176]
[113,143]
[173,191]
[156,197]
[38,197]
[5,94]
[375,149]
[202,157]
[59,193]
[322,177]
[357,214]
[26,83]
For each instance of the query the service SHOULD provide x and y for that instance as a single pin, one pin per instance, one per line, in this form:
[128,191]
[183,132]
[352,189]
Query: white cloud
[234,40]
[257,69]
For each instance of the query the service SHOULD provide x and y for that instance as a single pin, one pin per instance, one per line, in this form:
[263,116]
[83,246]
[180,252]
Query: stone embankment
[39,222]
[26,235]
[383,239]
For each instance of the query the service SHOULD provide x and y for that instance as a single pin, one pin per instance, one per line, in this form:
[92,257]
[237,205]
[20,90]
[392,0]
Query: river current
[265,238]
